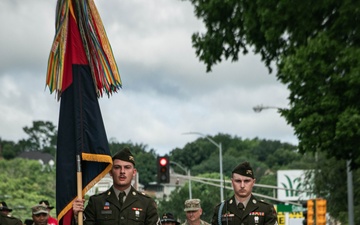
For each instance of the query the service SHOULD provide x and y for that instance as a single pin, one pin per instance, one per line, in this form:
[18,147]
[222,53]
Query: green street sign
[284,208]
[288,208]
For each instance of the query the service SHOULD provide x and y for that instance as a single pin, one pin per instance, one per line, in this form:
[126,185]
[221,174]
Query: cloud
[166,90]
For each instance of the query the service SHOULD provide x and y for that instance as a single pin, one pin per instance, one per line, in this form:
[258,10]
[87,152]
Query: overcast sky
[166,90]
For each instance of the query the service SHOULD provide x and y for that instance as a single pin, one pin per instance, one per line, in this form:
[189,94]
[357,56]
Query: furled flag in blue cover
[81,68]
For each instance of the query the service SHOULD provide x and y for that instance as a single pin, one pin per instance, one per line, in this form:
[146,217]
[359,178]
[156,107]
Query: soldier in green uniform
[9,220]
[5,217]
[122,203]
[4,209]
[243,208]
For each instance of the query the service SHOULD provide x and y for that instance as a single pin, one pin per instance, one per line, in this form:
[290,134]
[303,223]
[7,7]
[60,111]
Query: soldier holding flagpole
[122,203]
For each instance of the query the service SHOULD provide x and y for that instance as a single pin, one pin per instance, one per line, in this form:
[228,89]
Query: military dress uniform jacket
[9,220]
[256,212]
[104,209]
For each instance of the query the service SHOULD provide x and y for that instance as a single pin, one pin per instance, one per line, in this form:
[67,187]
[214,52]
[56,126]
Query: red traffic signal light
[163,169]
[163,161]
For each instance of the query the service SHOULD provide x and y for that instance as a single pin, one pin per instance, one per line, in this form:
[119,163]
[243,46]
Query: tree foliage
[24,183]
[324,78]
[330,183]
[315,47]
[42,137]
[8,149]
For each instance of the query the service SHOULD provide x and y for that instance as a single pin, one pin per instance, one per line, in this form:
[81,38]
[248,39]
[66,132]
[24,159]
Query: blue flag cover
[81,67]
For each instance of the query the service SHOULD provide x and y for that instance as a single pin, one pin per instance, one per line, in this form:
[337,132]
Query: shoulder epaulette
[266,203]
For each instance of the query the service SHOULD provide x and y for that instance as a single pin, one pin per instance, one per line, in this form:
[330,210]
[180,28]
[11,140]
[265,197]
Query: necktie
[241,207]
[121,198]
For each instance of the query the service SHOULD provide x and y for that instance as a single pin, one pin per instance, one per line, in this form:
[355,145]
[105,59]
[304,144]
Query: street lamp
[260,108]
[350,196]
[220,161]
[187,171]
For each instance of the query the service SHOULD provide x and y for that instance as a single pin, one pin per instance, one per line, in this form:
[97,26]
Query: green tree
[42,137]
[282,157]
[145,163]
[330,183]
[202,149]
[8,149]
[315,48]
[143,159]
[24,183]
[323,78]
[202,156]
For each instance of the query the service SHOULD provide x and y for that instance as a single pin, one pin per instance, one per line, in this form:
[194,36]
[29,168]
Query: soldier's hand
[78,206]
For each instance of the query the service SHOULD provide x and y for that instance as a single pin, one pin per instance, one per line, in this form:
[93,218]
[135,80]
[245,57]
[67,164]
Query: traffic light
[320,211]
[309,212]
[163,165]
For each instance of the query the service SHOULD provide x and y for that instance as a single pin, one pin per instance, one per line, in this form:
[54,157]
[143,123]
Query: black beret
[4,207]
[46,202]
[244,169]
[124,155]
[168,217]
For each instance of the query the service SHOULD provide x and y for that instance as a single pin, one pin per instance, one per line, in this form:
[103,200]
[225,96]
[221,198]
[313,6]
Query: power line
[209,181]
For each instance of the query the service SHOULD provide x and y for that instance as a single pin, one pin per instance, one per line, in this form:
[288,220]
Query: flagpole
[79,187]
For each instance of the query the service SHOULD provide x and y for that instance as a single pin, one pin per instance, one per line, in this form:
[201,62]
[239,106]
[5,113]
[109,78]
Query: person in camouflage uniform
[40,215]
[193,212]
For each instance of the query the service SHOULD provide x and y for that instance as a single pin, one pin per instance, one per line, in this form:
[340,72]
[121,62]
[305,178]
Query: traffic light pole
[189,176]
[350,193]
[220,161]
[187,171]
